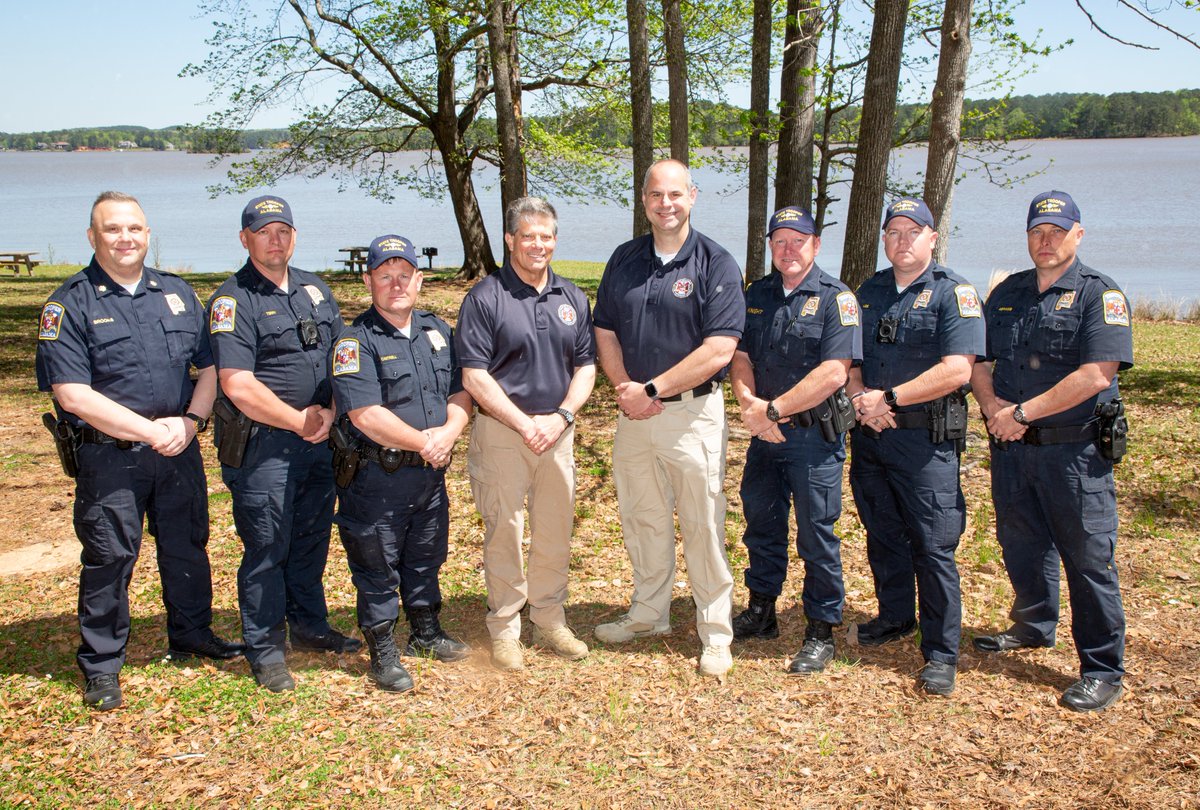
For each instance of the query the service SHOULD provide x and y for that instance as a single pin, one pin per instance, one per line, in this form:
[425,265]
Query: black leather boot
[386,669]
[428,639]
[817,651]
[757,620]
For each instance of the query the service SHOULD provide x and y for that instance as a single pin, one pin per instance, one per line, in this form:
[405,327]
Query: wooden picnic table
[357,263]
[17,259]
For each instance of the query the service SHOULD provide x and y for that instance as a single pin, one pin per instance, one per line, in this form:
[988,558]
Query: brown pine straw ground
[630,726]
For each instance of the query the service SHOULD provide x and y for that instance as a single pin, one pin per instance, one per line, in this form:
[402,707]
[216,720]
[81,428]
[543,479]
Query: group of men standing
[306,408]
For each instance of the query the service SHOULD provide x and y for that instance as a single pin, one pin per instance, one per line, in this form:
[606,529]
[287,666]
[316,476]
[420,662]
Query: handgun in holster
[835,415]
[346,456]
[1114,430]
[66,442]
[231,432]
[948,420]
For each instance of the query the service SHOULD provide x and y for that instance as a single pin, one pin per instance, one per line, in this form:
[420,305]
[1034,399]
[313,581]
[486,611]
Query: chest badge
[1116,311]
[1064,301]
[314,292]
[848,308]
[968,301]
[566,314]
[682,288]
[223,315]
[923,299]
[51,321]
[175,303]
[435,339]
[810,306]
[345,357]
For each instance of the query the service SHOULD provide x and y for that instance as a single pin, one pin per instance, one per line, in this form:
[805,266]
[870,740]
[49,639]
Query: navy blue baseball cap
[263,210]
[793,218]
[912,208]
[390,246]
[1055,207]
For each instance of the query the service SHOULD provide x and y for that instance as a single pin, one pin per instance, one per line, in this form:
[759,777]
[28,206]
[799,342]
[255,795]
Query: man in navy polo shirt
[395,382]
[669,313]
[802,335]
[272,327]
[115,345]
[524,340]
[1057,336]
[923,329]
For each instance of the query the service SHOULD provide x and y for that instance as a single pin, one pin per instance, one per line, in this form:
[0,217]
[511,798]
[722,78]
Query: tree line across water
[1056,115]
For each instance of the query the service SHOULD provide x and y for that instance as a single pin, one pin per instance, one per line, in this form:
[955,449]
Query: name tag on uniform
[435,339]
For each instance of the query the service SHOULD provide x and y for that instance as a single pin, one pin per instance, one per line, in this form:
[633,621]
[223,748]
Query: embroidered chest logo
[51,321]
[1064,301]
[848,308]
[224,314]
[923,299]
[968,301]
[345,357]
[314,292]
[682,288]
[175,303]
[435,339]
[810,306]
[566,314]
[1116,311]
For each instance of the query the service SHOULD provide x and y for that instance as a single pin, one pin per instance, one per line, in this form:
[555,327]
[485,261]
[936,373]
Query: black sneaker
[937,678]
[103,693]
[273,677]
[331,641]
[813,656]
[1091,695]
[880,631]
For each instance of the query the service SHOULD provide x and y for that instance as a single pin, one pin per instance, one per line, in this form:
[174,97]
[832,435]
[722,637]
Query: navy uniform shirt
[789,335]
[134,349]
[1037,338]
[530,342]
[254,326]
[375,364]
[939,313]
[662,313]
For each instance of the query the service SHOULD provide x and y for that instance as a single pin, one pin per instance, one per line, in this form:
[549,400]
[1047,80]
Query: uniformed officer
[1057,336]
[272,327]
[923,327]
[524,340]
[669,313]
[788,374]
[394,376]
[115,345]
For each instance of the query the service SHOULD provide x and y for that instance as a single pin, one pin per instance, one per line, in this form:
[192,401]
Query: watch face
[772,412]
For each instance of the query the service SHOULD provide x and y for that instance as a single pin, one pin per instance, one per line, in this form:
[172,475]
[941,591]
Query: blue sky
[81,63]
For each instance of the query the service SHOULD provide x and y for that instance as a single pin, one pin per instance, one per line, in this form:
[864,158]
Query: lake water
[1139,199]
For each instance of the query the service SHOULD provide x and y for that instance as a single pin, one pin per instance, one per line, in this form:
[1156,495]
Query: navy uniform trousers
[806,471]
[395,528]
[283,509]
[911,504]
[1060,502]
[115,490]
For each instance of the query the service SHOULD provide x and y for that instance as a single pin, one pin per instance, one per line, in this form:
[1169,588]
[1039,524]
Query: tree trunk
[506,77]
[677,80]
[945,118]
[760,139]
[641,105]
[874,142]
[797,106]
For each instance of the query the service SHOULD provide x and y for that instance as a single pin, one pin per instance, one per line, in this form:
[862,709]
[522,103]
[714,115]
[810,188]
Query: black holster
[948,419]
[1114,430]
[66,442]
[347,455]
[834,416]
[231,432]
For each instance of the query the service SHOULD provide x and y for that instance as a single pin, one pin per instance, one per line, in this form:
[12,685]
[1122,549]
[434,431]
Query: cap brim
[1063,222]
[259,224]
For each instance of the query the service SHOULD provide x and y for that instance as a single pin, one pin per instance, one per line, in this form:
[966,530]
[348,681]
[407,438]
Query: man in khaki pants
[524,341]
[669,313]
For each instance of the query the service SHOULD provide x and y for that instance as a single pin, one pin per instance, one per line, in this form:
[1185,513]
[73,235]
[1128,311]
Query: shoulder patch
[223,315]
[345,357]
[968,301]
[51,320]
[1116,310]
[848,308]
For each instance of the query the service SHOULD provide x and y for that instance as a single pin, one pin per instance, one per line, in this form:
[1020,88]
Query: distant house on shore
[127,145]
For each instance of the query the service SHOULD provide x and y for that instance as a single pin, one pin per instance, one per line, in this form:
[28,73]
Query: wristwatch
[889,398]
[1019,415]
[652,390]
[772,412]
[201,424]
[567,416]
